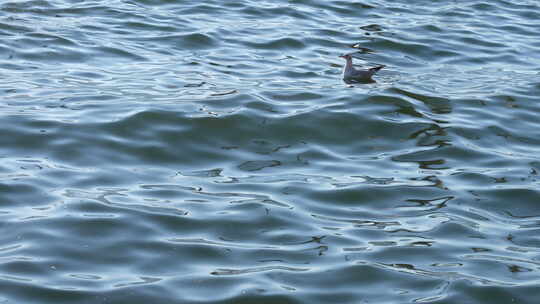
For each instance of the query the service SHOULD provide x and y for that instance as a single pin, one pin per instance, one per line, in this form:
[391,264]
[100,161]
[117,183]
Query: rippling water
[160,151]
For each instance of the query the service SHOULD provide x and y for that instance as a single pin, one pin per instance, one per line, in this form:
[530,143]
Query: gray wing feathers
[364,73]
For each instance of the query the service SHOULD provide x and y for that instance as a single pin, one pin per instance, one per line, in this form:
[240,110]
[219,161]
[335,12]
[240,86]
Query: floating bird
[352,75]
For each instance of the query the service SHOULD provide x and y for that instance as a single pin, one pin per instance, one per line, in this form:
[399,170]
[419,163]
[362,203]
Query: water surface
[209,152]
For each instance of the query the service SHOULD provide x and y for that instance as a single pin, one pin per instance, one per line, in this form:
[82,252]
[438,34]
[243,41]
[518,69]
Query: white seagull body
[351,75]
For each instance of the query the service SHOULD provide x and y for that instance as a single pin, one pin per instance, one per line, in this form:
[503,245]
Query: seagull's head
[346,56]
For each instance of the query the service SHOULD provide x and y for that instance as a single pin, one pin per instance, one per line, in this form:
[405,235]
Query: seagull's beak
[341,56]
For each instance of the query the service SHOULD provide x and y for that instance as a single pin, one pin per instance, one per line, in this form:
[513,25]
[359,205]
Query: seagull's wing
[376,69]
[366,73]
[360,74]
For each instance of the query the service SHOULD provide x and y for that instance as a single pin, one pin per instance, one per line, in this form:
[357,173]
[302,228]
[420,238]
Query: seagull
[352,75]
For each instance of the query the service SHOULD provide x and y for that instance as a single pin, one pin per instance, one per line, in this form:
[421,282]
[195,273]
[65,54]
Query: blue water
[162,151]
